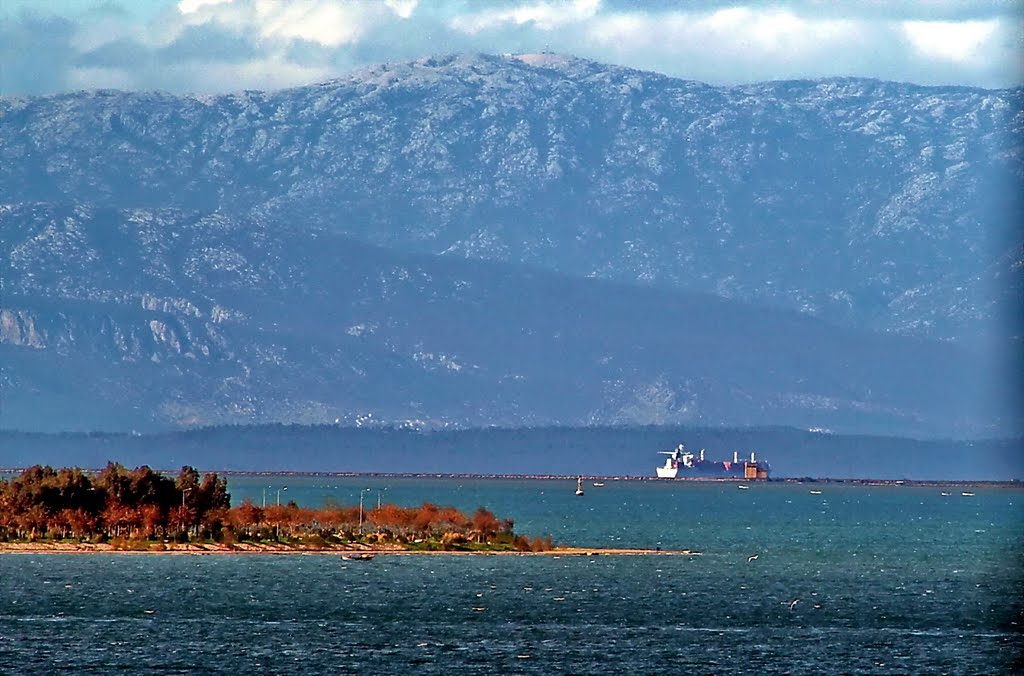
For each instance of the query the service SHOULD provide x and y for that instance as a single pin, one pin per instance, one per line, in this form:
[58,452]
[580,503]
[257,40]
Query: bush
[134,544]
[543,544]
[138,544]
[314,540]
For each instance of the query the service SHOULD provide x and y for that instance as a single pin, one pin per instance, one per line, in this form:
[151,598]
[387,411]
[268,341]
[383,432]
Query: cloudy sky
[49,46]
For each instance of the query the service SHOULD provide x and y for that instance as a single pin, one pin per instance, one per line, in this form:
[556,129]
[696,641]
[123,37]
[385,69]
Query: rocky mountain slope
[873,204]
[477,240]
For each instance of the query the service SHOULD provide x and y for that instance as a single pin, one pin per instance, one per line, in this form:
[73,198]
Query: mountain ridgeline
[517,241]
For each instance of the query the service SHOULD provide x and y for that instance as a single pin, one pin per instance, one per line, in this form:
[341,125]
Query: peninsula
[141,510]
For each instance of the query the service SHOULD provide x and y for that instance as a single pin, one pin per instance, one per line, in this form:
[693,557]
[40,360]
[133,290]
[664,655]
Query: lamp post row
[283,488]
[362,492]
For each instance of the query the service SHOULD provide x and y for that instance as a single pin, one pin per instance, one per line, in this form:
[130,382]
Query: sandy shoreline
[247,548]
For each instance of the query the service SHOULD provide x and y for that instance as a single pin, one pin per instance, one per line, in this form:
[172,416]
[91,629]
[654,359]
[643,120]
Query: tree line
[143,505]
[117,502]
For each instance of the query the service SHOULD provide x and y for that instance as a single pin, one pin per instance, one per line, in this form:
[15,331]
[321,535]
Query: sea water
[879,579]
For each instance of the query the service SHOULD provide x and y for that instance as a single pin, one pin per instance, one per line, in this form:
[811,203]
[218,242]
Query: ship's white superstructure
[668,470]
[678,456]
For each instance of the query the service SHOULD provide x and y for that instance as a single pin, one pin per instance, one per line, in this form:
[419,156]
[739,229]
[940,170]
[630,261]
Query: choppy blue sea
[885,579]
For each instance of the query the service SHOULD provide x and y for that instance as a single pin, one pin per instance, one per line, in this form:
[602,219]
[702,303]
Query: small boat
[967,494]
[579,486]
[598,484]
[357,556]
[743,488]
[944,493]
[815,492]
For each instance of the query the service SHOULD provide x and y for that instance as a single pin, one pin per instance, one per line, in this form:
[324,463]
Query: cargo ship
[681,464]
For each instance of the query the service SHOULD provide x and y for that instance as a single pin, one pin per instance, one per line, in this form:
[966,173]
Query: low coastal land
[44,510]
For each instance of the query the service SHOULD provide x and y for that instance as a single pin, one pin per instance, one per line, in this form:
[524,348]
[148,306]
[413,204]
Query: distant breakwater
[599,477]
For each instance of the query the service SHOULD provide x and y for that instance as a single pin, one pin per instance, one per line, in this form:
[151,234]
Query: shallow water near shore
[886,579]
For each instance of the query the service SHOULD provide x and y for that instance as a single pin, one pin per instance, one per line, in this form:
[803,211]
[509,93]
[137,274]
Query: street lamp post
[361,492]
[379,490]
[279,495]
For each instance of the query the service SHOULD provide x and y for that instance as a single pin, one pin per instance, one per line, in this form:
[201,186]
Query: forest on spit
[144,509]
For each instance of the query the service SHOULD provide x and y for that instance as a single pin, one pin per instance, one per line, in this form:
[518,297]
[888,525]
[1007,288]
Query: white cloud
[756,42]
[193,6]
[544,16]
[402,8]
[957,41]
[736,30]
[326,24]
[227,44]
[269,73]
[731,45]
[773,30]
[329,23]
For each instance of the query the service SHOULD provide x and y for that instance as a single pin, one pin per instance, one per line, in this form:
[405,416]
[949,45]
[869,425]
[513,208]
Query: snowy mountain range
[519,240]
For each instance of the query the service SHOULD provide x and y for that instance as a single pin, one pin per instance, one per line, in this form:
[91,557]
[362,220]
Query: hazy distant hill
[300,255]
[169,317]
[609,451]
